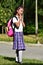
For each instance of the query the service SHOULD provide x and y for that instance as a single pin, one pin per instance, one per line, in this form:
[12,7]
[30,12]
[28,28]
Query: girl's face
[20,11]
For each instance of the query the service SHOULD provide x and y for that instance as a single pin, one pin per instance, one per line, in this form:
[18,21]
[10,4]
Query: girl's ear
[17,11]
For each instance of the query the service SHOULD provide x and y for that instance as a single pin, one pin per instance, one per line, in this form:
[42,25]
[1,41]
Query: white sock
[20,55]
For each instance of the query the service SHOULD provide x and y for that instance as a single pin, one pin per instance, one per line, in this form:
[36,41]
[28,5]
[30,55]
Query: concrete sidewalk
[33,51]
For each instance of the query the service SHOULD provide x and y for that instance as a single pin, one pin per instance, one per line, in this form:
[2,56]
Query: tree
[40,15]
[7,7]
[29,16]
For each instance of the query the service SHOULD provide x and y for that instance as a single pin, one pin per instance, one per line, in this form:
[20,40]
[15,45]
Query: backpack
[10,27]
[10,31]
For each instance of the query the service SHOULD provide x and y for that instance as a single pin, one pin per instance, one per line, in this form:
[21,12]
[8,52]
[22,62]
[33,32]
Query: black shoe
[20,62]
[16,61]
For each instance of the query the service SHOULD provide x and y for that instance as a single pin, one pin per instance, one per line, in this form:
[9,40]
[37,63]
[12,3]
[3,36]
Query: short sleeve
[14,20]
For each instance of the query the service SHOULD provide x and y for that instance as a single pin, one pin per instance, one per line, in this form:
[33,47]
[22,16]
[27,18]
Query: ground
[33,51]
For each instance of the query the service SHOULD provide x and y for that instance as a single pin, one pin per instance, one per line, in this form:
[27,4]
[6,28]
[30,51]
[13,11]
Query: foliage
[40,15]
[29,16]
[40,7]
[7,7]
[27,38]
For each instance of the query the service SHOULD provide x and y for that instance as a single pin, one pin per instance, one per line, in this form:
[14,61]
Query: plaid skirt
[18,43]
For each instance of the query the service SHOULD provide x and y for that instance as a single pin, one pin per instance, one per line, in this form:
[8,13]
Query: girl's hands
[23,24]
[20,17]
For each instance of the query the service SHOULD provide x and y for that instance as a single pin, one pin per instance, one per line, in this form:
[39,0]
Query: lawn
[11,61]
[27,38]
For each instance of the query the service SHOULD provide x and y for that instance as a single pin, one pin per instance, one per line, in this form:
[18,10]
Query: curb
[3,42]
[29,44]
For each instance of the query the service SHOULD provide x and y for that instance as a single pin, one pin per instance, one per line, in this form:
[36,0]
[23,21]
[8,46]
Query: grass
[4,37]
[40,37]
[30,38]
[11,61]
[27,38]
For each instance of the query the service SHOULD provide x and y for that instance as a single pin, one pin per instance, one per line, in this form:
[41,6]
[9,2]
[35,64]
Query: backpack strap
[13,25]
[16,18]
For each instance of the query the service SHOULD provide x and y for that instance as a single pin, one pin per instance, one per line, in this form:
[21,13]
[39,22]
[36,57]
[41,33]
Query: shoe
[20,62]
[16,61]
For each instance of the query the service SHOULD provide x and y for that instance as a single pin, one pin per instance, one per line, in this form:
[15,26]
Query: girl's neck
[17,15]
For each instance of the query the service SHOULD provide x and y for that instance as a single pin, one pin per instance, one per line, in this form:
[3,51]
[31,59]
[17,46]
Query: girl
[18,44]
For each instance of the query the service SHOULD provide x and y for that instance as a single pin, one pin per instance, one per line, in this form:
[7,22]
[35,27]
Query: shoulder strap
[16,17]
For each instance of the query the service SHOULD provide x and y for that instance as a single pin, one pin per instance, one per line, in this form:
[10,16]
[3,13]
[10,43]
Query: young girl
[18,44]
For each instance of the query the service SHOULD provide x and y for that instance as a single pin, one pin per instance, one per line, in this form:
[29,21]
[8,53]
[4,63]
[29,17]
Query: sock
[20,55]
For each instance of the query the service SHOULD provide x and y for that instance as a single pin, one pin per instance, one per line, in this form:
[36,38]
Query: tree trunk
[5,30]
[2,29]
[36,23]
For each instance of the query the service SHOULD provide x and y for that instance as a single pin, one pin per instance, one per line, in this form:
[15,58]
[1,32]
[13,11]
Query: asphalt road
[31,52]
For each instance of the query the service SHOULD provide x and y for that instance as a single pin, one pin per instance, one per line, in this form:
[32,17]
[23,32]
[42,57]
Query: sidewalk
[33,51]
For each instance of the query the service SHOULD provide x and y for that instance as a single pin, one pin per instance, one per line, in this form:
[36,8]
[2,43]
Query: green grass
[11,61]
[41,37]
[4,37]
[30,38]
[27,38]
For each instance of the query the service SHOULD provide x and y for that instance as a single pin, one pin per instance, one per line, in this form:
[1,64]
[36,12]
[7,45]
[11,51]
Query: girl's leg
[17,56]
[20,55]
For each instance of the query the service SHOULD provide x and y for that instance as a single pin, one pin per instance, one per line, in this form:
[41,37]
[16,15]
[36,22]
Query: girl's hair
[18,9]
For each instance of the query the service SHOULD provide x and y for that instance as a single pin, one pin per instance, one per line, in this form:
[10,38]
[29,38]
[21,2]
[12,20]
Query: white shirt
[20,29]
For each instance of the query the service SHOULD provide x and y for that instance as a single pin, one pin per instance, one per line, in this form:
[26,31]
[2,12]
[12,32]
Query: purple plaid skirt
[18,43]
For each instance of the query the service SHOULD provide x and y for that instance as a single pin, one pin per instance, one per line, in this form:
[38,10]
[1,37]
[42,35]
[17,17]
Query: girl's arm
[23,24]
[17,23]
